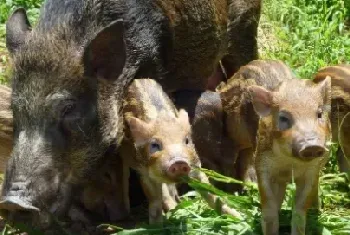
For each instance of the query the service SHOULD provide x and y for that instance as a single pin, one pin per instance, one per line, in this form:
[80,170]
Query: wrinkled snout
[178,169]
[310,148]
[15,203]
[15,209]
[312,151]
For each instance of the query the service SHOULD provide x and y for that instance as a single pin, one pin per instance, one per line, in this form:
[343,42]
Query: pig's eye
[69,116]
[187,140]
[154,146]
[284,121]
[319,113]
[67,109]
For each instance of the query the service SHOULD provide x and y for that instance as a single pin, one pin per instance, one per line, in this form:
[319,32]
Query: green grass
[310,34]
[305,34]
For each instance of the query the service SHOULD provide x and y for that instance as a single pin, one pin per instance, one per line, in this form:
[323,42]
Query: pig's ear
[183,116]
[104,57]
[139,130]
[261,99]
[17,29]
[326,89]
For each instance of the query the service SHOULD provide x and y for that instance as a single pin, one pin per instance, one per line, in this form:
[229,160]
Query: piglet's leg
[153,192]
[169,196]
[212,199]
[271,198]
[306,189]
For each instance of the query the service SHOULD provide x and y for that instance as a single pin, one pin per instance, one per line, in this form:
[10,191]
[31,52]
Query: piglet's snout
[179,168]
[312,151]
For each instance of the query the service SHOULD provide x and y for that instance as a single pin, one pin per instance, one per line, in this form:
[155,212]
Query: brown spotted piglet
[158,145]
[293,136]
[340,118]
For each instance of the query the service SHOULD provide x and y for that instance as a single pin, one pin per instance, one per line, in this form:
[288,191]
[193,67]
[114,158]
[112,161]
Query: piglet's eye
[187,140]
[155,146]
[284,121]
[320,113]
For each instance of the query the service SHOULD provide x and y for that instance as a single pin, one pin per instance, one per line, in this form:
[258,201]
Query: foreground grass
[307,35]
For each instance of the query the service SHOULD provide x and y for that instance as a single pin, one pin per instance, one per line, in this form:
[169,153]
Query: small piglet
[158,145]
[340,118]
[293,135]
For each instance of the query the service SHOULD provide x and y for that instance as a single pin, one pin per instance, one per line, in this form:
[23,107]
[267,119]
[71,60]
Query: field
[307,35]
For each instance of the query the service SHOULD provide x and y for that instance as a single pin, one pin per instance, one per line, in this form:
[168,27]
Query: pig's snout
[15,203]
[14,208]
[178,169]
[312,151]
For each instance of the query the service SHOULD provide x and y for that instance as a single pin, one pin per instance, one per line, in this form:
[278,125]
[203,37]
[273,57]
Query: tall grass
[311,33]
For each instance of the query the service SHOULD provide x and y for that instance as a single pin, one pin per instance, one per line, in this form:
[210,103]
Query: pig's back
[145,99]
[80,17]
[198,29]
[340,77]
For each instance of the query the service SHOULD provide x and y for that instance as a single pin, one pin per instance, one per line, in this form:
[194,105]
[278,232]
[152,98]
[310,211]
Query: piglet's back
[145,99]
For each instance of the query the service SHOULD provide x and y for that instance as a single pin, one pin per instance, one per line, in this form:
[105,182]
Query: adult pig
[70,73]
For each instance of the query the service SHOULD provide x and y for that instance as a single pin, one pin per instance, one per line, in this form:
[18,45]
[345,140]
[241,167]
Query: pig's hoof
[169,205]
[231,211]
[251,176]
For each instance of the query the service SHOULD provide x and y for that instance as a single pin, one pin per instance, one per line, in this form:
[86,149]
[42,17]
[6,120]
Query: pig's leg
[126,176]
[218,76]
[305,192]
[117,200]
[344,165]
[246,165]
[271,198]
[169,196]
[344,141]
[153,192]
[212,199]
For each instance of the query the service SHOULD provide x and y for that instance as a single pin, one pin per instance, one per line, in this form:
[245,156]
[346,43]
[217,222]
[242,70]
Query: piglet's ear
[261,99]
[139,130]
[105,55]
[183,116]
[326,89]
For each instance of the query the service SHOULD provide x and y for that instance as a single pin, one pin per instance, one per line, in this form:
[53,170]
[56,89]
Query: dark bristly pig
[69,77]
[59,112]
[158,144]
[340,77]
[293,139]
[6,135]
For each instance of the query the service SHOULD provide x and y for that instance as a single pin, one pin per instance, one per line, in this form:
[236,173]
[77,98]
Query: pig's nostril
[312,152]
[186,169]
[178,169]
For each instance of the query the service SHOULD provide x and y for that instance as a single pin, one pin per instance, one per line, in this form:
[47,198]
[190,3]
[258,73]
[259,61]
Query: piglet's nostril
[312,151]
[179,168]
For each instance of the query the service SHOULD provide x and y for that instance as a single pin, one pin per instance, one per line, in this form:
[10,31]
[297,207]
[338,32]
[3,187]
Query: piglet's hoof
[230,211]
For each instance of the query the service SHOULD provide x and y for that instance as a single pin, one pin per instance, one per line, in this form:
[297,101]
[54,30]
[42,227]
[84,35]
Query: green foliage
[8,6]
[312,33]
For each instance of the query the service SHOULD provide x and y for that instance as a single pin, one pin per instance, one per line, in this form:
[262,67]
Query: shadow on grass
[313,226]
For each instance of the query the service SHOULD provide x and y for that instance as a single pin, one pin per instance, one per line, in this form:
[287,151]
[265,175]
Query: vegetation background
[305,34]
